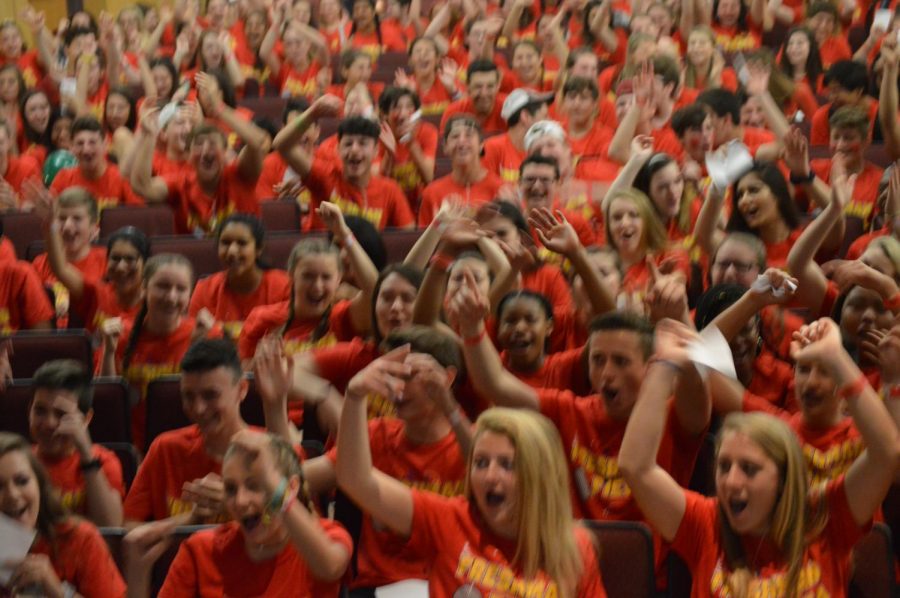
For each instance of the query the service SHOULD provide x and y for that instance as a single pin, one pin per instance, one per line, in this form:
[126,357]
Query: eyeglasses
[529,181]
[741,267]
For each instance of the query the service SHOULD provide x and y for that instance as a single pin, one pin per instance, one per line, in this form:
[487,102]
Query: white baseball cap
[543,128]
[519,98]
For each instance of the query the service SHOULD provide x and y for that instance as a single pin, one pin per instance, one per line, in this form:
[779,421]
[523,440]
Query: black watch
[92,465]
[799,179]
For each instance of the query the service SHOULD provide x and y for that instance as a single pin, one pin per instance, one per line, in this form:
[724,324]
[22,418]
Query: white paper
[712,352]
[728,163]
[740,67]
[16,543]
[408,588]
[167,113]
[67,86]
[762,285]
[882,18]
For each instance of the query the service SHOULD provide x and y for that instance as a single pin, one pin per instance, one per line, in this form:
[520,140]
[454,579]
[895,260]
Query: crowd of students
[534,361]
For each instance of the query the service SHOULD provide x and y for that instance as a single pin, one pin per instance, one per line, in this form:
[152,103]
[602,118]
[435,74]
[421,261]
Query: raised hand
[387,139]
[889,350]
[207,494]
[385,377]
[255,446]
[447,73]
[208,94]
[841,184]
[774,286]
[819,340]
[273,371]
[667,297]
[150,121]
[796,152]
[467,309]
[555,233]
[642,148]
[757,78]
[41,200]
[461,233]
[401,79]
[73,426]
[848,273]
[334,221]
[327,106]
[433,377]
[111,332]
[671,342]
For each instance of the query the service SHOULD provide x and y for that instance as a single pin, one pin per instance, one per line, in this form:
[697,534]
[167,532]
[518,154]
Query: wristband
[440,261]
[92,465]
[799,179]
[890,392]
[348,241]
[668,363]
[893,304]
[289,503]
[471,341]
[277,500]
[853,389]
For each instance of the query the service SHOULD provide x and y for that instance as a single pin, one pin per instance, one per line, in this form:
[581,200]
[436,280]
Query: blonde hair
[546,538]
[690,71]
[890,247]
[793,523]
[306,248]
[653,235]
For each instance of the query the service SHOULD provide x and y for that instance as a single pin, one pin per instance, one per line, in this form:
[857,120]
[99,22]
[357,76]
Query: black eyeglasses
[742,267]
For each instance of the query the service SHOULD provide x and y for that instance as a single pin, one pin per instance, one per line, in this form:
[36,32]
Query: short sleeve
[139,501]
[33,301]
[841,529]
[182,578]
[430,517]
[251,332]
[340,322]
[98,576]
[697,529]
[591,583]
[112,469]
[556,405]
[200,297]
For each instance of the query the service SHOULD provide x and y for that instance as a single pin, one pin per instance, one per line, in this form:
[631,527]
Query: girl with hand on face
[69,556]
[153,344]
[766,531]
[516,515]
[230,295]
[275,544]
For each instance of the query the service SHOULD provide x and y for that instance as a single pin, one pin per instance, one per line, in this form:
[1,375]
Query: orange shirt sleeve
[34,305]
[182,579]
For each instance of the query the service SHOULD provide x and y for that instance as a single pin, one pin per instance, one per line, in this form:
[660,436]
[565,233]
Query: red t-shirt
[864,201]
[340,362]
[833,49]
[111,189]
[777,253]
[465,554]
[29,66]
[153,357]
[23,301]
[7,250]
[19,170]
[297,83]
[403,169]
[820,129]
[214,562]
[503,158]
[175,457]
[164,166]
[773,379]
[490,125]
[446,187]
[826,560]
[859,246]
[439,467]
[435,100]
[194,209]
[68,479]
[737,39]
[81,558]
[754,137]
[373,45]
[99,303]
[230,308]
[382,202]
[548,280]
[595,144]
[557,372]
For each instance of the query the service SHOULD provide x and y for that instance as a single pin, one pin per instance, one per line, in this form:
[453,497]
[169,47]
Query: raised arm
[758,86]
[486,372]
[287,140]
[731,321]
[658,495]
[887,97]
[558,235]
[256,141]
[511,24]
[327,559]
[868,479]
[384,498]
[796,158]
[641,149]
[707,234]
[363,268]
[46,208]
[151,41]
[812,284]
[273,33]
[152,189]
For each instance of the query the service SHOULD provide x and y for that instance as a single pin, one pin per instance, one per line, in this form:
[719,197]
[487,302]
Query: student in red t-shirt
[87,476]
[276,545]
[704,66]
[847,83]
[171,155]
[350,184]
[516,496]
[503,154]
[469,183]
[482,100]
[356,72]
[305,51]
[822,20]
[408,146]
[93,172]
[215,188]
[367,34]
[178,480]
[68,556]
[433,78]
[800,539]
[800,59]
[14,170]
[312,316]
[23,300]
[588,135]
[229,296]
[74,216]
[116,292]
[152,344]
[422,443]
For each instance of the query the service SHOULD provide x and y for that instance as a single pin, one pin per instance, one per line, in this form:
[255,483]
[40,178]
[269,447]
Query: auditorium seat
[398,242]
[202,253]
[626,557]
[873,565]
[112,409]
[268,107]
[164,410]
[114,537]
[280,215]
[21,228]
[327,127]
[32,348]
[128,457]
[152,220]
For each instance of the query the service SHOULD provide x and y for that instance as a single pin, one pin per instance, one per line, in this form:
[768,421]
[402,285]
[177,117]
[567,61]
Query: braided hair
[150,268]
[308,247]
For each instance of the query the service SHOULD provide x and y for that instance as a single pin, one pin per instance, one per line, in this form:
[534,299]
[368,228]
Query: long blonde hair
[690,71]
[793,523]
[546,539]
[653,235]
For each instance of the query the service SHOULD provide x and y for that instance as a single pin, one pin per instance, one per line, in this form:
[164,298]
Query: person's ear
[451,373]
[244,388]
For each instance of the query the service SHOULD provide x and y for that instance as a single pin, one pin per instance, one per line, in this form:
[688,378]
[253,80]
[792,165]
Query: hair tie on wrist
[471,341]
[853,389]
[441,261]
[666,362]
[893,304]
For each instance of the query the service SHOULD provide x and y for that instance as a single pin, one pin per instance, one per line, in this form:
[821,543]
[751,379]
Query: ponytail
[133,337]
[307,247]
